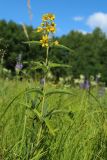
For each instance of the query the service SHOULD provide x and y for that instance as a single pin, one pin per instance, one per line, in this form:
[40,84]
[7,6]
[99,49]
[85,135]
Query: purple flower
[19,66]
[42,81]
[86,84]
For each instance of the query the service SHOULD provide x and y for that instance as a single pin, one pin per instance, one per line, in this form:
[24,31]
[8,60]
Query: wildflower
[49,76]
[19,66]
[56,43]
[76,81]
[44,41]
[39,29]
[53,24]
[52,29]
[42,81]
[51,16]
[82,77]
[47,27]
[45,17]
[86,84]
[48,16]
[93,83]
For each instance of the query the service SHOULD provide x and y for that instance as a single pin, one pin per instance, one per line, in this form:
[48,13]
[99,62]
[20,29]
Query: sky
[81,15]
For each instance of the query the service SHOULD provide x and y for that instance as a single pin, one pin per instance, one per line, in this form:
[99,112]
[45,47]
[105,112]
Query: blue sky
[82,15]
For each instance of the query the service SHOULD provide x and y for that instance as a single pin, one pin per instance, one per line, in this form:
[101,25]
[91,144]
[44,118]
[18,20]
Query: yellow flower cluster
[47,27]
[47,24]
[48,16]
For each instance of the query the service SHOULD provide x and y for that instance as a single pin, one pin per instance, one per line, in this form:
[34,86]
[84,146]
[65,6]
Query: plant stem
[46,63]
[47,51]
[43,98]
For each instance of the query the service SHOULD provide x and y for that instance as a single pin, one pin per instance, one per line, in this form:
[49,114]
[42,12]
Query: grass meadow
[46,111]
[73,125]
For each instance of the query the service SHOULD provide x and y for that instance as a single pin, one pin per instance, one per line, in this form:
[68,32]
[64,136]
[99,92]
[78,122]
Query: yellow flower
[51,16]
[56,43]
[48,16]
[44,41]
[52,29]
[39,29]
[45,17]
[53,24]
[47,27]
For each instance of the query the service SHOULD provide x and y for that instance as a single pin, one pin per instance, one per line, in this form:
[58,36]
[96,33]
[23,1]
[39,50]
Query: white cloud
[98,19]
[78,18]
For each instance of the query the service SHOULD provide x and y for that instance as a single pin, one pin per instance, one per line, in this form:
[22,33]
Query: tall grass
[77,124]
[29,9]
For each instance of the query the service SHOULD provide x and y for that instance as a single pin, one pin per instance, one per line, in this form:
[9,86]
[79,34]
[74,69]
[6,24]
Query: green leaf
[33,42]
[58,91]
[63,47]
[56,111]
[38,154]
[36,65]
[21,93]
[53,65]
[51,130]
[26,105]
[37,114]
[32,62]
[25,62]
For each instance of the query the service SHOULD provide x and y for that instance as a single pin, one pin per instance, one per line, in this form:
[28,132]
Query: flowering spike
[47,28]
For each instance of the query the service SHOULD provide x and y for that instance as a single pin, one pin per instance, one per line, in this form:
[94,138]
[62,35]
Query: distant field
[73,125]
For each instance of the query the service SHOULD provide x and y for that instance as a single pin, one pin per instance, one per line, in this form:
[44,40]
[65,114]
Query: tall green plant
[41,111]
[35,140]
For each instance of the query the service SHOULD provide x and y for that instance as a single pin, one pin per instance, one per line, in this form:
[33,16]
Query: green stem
[46,63]
[43,98]
[47,52]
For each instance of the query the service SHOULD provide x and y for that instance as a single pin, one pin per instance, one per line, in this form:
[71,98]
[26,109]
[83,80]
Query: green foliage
[74,122]
[87,53]
[42,122]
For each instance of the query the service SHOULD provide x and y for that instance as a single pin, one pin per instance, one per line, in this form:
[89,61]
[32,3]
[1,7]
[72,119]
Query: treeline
[88,57]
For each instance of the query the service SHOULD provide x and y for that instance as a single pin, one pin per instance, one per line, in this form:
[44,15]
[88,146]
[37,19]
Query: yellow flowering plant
[46,29]
[37,122]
